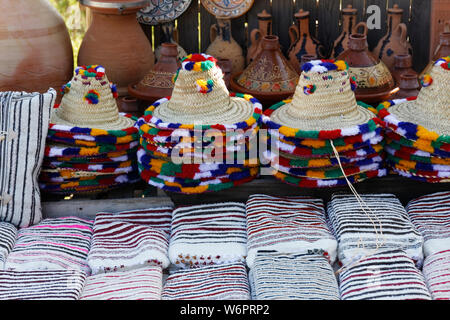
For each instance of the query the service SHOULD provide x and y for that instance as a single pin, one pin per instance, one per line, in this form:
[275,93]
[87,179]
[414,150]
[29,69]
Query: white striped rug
[8,234]
[436,270]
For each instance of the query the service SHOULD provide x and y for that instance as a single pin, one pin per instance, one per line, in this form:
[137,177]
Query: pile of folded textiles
[91,147]
[200,139]
[418,129]
[323,134]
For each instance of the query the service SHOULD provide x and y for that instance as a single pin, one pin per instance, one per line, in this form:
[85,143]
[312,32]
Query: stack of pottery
[200,139]
[90,146]
[323,137]
[418,130]
[270,78]
[264,29]
[374,80]
[402,65]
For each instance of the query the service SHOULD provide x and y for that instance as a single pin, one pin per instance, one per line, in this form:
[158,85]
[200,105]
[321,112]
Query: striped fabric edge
[8,233]
[436,271]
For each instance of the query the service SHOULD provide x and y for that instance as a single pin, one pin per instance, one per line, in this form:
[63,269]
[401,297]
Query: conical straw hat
[432,107]
[200,96]
[89,102]
[323,100]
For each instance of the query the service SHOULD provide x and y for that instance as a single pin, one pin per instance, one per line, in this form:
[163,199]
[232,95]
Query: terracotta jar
[116,41]
[409,86]
[158,82]
[402,65]
[374,80]
[264,29]
[270,78]
[396,39]
[302,41]
[35,47]
[130,105]
[170,35]
[225,65]
[223,46]
[349,26]
[442,50]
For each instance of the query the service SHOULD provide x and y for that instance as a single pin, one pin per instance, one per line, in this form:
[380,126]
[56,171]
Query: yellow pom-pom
[341,64]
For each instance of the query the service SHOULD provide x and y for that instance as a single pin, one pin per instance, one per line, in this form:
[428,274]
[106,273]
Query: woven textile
[41,285]
[7,239]
[208,234]
[384,221]
[224,282]
[293,277]
[387,275]
[436,270]
[53,244]
[287,225]
[130,239]
[430,214]
[139,284]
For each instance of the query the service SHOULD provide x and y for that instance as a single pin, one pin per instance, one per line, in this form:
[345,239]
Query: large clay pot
[349,26]
[374,80]
[442,50]
[264,29]
[170,35]
[158,82]
[302,41]
[402,65]
[269,78]
[116,41]
[35,47]
[396,39]
[223,46]
[409,86]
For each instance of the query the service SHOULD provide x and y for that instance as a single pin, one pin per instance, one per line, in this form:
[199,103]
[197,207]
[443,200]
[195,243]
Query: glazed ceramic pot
[402,65]
[170,35]
[225,65]
[223,46]
[227,8]
[158,82]
[302,41]
[395,41]
[349,26]
[374,80]
[409,86]
[442,50]
[116,41]
[264,29]
[269,78]
[35,47]
[161,11]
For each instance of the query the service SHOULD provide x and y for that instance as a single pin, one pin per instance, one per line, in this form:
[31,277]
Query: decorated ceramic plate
[227,8]
[160,11]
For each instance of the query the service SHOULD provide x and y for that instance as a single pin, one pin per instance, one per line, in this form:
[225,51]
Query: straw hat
[432,107]
[323,100]
[89,101]
[201,96]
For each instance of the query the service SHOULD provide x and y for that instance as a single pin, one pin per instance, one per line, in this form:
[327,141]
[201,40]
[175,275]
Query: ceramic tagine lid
[160,11]
[227,8]
[115,6]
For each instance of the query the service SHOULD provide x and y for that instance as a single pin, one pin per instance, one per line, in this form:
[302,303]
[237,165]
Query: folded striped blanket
[218,282]
[8,234]
[436,270]
[53,244]
[130,239]
[41,285]
[383,222]
[279,276]
[138,284]
[430,214]
[208,234]
[287,225]
[385,275]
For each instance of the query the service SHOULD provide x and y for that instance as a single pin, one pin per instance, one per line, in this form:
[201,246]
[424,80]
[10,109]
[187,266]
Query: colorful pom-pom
[321,66]
[92,97]
[353,83]
[65,88]
[114,90]
[205,86]
[92,71]
[309,89]
[426,81]
[198,62]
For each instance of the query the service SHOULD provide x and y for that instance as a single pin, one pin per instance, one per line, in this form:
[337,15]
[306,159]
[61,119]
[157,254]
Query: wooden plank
[376,34]
[187,25]
[419,32]
[206,20]
[252,18]
[328,24]
[239,33]
[282,13]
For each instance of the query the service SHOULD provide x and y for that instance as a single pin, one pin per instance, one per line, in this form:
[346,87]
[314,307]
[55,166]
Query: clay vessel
[396,39]
[170,35]
[409,86]
[35,47]
[223,46]
[402,65]
[264,29]
[349,26]
[270,78]
[158,82]
[307,58]
[302,41]
[116,41]
[442,50]
[130,105]
[225,65]
[374,80]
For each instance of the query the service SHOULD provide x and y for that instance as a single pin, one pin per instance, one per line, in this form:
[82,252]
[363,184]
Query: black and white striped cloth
[385,275]
[436,270]
[383,222]
[288,225]
[208,234]
[41,285]
[24,120]
[430,214]
[277,276]
[8,235]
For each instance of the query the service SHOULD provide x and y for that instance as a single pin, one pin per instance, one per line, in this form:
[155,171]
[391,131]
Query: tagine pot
[402,65]
[269,78]
[409,86]
[116,41]
[264,29]
[374,80]
[35,47]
